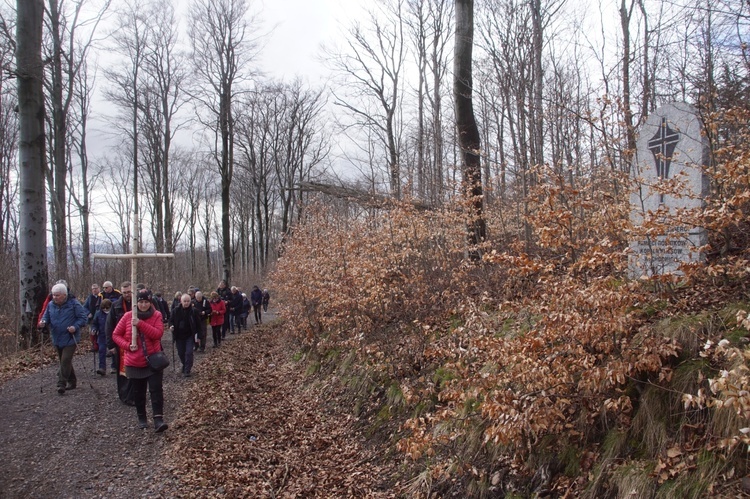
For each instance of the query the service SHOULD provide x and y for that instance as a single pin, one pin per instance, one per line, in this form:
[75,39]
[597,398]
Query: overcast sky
[300,27]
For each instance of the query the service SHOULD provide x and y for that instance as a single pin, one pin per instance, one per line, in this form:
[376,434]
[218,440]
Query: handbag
[157,361]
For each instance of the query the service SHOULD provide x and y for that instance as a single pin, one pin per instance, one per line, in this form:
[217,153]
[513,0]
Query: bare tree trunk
[221,44]
[59,153]
[31,157]
[466,125]
[537,107]
[625,16]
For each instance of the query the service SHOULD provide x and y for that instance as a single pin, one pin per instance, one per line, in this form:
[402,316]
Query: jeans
[185,352]
[101,340]
[66,376]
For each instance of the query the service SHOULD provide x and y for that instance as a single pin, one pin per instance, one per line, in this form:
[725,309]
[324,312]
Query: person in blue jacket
[65,316]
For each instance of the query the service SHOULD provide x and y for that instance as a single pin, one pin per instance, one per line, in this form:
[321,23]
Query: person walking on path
[256,299]
[93,302]
[92,306]
[119,309]
[234,309]
[266,299]
[150,329]
[185,324]
[225,293]
[202,305]
[245,310]
[218,309]
[65,316]
[99,328]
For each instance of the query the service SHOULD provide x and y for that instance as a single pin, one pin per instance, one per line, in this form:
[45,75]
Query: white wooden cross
[133,257]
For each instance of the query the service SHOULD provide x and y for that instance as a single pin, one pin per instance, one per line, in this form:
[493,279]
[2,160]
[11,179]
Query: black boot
[159,424]
[157,405]
[142,420]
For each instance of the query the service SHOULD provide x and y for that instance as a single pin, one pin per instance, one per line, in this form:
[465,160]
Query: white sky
[300,27]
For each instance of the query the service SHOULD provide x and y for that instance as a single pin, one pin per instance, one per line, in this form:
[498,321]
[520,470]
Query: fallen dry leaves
[254,426]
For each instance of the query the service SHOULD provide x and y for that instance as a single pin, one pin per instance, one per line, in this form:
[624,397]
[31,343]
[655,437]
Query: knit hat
[144,294]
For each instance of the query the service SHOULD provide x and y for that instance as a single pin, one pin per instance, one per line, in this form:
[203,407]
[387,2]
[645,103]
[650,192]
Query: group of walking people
[130,336]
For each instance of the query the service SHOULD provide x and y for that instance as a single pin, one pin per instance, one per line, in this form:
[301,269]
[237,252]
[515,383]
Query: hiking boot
[142,421]
[101,372]
[61,390]
[159,424]
[71,386]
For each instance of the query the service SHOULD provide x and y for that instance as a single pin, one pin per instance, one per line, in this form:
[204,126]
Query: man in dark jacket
[92,302]
[256,300]
[235,308]
[162,306]
[109,292]
[122,305]
[185,325]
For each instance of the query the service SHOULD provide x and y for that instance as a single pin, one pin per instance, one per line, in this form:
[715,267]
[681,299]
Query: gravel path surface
[85,443]
[249,423]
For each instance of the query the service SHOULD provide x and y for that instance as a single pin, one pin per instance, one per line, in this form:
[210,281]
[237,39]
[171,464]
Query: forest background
[547,335]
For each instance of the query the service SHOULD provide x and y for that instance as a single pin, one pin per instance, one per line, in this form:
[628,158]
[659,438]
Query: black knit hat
[144,294]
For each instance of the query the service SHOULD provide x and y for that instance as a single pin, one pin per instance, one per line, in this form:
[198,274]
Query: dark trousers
[237,321]
[201,343]
[124,387]
[155,389]
[216,330]
[185,352]
[225,326]
[257,312]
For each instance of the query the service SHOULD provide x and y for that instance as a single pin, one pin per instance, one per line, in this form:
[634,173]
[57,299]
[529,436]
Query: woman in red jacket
[149,327]
[218,309]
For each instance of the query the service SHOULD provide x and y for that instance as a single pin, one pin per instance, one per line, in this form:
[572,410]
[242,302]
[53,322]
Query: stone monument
[671,152]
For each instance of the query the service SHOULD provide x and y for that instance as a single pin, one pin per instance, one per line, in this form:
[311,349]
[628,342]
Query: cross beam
[133,257]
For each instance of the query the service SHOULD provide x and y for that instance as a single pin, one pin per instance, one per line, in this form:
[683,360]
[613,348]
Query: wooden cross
[133,257]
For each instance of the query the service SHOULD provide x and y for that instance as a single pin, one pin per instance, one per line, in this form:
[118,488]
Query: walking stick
[174,369]
[41,363]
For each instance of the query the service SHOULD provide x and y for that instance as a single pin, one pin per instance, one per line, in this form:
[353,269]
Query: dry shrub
[353,279]
[9,309]
[547,336]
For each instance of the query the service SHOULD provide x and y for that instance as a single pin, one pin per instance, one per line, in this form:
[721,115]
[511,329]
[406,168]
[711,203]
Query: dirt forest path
[247,424]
